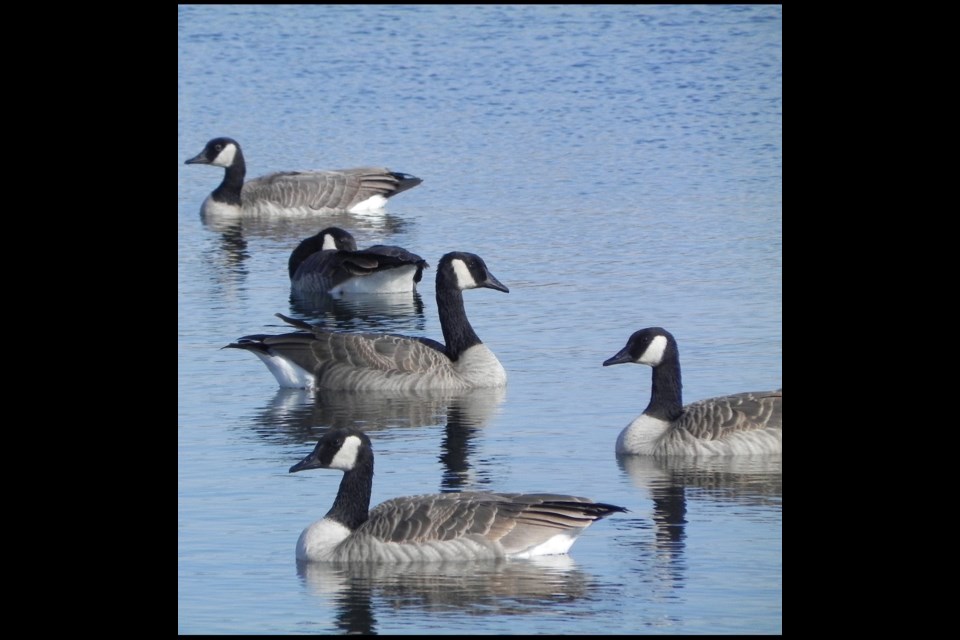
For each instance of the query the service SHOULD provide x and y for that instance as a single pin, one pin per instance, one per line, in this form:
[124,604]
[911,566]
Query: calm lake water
[617,167]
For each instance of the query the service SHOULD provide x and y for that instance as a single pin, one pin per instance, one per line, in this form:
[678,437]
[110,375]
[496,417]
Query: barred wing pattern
[324,190]
[448,525]
[718,418]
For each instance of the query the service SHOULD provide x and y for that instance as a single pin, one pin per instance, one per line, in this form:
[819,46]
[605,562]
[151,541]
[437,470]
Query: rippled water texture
[617,167]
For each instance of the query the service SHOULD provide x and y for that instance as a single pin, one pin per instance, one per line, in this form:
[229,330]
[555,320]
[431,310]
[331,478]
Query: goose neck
[232,184]
[458,334]
[666,395]
[351,507]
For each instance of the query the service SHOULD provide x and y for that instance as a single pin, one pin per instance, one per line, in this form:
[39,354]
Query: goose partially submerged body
[741,423]
[320,358]
[295,193]
[433,527]
[330,263]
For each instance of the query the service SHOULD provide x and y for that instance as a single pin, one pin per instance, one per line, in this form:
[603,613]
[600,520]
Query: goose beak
[310,462]
[622,356]
[198,159]
[492,283]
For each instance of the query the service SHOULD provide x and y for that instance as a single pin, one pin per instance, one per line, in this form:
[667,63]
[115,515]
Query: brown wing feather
[377,351]
[434,517]
[339,189]
[518,521]
[717,418]
[318,350]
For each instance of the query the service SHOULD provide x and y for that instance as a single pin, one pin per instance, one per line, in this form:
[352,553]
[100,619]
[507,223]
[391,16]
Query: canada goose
[433,527]
[329,262]
[319,358]
[360,190]
[741,423]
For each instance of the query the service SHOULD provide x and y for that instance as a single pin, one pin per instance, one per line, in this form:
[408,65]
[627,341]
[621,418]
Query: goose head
[460,270]
[650,346]
[219,152]
[339,449]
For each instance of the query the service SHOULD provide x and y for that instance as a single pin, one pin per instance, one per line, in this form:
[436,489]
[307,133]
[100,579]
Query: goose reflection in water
[299,416]
[375,228]
[224,259]
[231,252]
[679,484]
[380,312]
[492,588]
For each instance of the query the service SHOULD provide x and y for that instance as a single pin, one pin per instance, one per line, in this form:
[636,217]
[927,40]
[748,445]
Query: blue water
[617,167]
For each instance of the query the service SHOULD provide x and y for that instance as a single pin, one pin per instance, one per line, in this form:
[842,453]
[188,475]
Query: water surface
[617,167]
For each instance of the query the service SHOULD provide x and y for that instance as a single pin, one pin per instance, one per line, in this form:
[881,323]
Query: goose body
[329,262]
[433,527]
[318,358]
[295,193]
[740,423]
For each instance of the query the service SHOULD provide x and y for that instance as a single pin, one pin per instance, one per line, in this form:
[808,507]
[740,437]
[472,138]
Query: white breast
[216,210]
[480,367]
[641,436]
[318,541]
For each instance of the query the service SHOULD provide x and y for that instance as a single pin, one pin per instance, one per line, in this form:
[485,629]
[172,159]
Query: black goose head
[220,152]
[337,449]
[459,270]
[649,346]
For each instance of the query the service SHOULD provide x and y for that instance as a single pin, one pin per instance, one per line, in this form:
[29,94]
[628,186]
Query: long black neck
[458,335]
[351,507]
[229,190]
[666,396]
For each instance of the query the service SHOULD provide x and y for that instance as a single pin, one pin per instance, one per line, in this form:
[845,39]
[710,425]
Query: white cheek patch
[226,156]
[328,242]
[653,355]
[464,277]
[346,458]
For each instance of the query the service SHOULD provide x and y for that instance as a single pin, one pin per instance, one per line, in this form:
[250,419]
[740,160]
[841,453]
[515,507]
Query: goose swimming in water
[329,262]
[319,358]
[433,527]
[360,190]
[741,423]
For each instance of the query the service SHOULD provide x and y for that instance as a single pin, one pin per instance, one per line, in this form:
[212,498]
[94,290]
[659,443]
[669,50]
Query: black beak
[622,356]
[310,462]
